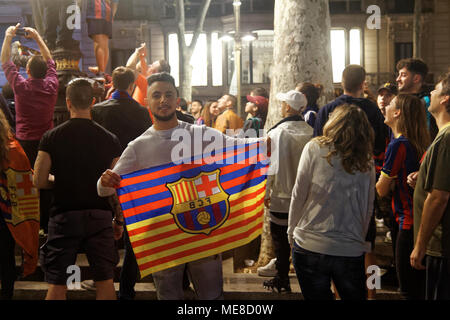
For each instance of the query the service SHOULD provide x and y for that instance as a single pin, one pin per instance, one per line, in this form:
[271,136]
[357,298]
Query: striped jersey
[401,159]
[100,9]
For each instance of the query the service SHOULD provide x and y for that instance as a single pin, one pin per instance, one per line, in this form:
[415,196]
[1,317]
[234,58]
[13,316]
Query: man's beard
[407,87]
[165,118]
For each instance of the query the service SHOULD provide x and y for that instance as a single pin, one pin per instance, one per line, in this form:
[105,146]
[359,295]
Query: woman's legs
[7,262]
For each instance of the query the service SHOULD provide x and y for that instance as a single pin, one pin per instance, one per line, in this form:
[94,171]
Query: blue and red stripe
[401,160]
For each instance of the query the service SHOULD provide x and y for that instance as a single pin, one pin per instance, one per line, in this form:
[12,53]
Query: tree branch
[179,14]
[200,22]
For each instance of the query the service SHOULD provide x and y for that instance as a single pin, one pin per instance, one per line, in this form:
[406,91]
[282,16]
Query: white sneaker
[269,270]
[88,285]
[388,238]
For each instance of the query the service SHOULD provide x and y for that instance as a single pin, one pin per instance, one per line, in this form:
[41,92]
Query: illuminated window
[338,53]
[216,56]
[346,48]
[355,46]
[198,59]
[257,56]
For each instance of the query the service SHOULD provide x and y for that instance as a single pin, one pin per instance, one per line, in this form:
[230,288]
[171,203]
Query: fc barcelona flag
[19,204]
[177,213]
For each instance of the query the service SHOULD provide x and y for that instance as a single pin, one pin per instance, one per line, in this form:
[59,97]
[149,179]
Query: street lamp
[237,52]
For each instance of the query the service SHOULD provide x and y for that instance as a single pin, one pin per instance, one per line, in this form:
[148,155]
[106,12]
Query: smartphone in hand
[21,32]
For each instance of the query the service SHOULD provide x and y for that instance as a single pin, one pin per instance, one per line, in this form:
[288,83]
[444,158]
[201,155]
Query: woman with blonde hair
[406,116]
[209,114]
[7,243]
[331,207]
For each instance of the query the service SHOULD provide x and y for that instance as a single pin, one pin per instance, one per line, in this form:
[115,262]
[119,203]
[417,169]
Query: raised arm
[6,48]
[136,57]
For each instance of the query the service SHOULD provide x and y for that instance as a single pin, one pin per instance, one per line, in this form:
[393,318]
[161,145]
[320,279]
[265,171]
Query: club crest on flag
[24,197]
[200,204]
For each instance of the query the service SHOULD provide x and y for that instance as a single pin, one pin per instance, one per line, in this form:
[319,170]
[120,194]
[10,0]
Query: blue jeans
[315,272]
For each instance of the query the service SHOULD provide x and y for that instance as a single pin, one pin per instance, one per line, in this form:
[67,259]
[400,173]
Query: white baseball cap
[294,98]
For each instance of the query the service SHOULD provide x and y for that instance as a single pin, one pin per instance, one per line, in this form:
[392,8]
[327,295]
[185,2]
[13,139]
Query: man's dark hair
[416,66]
[311,91]
[233,99]
[164,66]
[199,101]
[80,93]
[161,77]
[260,92]
[183,104]
[445,81]
[38,67]
[353,77]
[122,78]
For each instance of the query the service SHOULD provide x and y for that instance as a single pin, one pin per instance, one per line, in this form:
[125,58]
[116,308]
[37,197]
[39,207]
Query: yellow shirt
[228,120]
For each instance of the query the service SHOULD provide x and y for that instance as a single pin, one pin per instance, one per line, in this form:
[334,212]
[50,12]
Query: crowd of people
[336,167]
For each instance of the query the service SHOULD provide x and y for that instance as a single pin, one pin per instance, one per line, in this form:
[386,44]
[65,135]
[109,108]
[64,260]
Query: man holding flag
[184,210]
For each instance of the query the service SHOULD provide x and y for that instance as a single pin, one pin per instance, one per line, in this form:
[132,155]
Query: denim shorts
[73,231]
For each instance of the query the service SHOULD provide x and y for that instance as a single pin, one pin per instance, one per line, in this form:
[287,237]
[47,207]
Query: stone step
[236,289]
[237,286]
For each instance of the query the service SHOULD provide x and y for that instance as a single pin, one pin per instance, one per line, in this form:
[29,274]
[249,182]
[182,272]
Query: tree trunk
[301,53]
[302,50]
[417,29]
[186,51]
[185,77]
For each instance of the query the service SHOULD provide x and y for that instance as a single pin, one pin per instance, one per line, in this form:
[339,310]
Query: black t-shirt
[185,117]
[80,151]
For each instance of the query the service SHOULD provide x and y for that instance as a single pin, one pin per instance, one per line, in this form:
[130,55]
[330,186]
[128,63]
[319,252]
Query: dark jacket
[126,118]
[185,117]
[373,113]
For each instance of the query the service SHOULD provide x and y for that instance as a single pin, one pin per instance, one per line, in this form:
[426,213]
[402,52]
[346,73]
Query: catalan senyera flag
[180,213]
[19,203]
